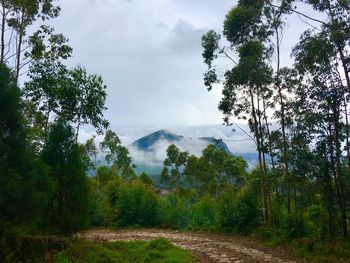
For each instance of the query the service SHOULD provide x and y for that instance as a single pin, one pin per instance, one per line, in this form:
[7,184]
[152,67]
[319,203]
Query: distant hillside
[149,151]
[151,142]
[219,143]
[145,143]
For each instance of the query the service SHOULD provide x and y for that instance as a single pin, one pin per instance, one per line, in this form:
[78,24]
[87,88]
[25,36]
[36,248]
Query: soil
[206,248]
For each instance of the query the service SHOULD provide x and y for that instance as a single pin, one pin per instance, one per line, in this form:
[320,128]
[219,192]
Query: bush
[175,212]
[155,251]
[85,251]
[292,227]
[18,245]
[239,213]
[136,204]
[205,214]
[315,221]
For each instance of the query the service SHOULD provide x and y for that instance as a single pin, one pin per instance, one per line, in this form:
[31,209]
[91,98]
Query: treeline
[44,187]
[300,189]
[298,116]
[211,192]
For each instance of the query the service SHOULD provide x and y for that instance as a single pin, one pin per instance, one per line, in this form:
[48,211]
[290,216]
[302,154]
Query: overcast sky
[149,55]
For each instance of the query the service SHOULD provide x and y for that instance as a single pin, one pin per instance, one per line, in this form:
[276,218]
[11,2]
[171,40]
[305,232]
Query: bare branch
[302,14]
[222,50]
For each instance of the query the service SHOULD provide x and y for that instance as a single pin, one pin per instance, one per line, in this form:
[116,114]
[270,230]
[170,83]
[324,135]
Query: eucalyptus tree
[118,155]
[214,159]
[12,147]
[247,94]
[47,73]
[215,171]
[83,100]
[57,91]
[316,59]
[206,173]
[91,151]
[25,187]
[16,18]
[173,166]
[68,211]
[332,19]
[335,27]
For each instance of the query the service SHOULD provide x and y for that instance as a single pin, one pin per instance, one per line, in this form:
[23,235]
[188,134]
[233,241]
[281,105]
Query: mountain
[148,148]
[153,141]
[219,143]
[147,142]
[149,151]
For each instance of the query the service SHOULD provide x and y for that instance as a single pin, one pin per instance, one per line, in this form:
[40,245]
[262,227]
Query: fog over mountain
[147,145]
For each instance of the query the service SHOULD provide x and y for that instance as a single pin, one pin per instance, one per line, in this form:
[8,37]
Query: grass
[312,250]
[322,252]
[155,251]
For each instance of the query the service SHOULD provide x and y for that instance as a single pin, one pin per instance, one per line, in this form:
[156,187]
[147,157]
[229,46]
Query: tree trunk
[19,48]
[283,126]
[3,26]
[261,167]
[347,132]
[46,128]
[77,132]
[338,177]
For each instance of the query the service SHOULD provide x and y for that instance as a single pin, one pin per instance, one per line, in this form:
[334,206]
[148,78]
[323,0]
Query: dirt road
[206,248]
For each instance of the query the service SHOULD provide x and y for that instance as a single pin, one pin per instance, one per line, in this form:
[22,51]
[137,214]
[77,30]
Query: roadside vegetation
[298,194]
[155,251]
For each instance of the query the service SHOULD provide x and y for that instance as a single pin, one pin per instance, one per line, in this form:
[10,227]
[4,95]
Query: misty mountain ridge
[148,142]
[149,152]
[145,143]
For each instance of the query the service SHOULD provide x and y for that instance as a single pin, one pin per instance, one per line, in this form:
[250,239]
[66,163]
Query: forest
[52,189]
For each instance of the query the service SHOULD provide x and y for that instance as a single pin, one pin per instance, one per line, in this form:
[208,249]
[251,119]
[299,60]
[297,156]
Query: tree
[87,95]
[25,187]
[48,74]
[215,171]
[117,155]
[173,164]
[57,91]
[91,151]
[248,28]
[68,210]
[146,179]
[316,58]
[17,16]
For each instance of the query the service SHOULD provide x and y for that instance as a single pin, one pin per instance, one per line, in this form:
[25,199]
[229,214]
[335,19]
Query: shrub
[156,251]
[136,204]
[292,227]
[315,221]
[175,212]
[205,214]
[239,213]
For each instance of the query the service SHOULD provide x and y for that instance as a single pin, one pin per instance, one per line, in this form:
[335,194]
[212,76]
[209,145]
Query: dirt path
[207,248]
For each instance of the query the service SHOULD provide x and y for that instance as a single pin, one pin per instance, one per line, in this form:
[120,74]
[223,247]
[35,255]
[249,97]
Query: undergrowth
[155,251]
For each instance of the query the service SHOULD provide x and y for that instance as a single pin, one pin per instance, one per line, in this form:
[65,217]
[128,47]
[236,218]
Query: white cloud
[149,55]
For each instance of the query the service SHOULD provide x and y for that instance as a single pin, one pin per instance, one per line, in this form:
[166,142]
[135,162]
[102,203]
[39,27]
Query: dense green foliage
[298,116]
[43,170]
[70,202]
[155,251]
[213,194]
[298,119]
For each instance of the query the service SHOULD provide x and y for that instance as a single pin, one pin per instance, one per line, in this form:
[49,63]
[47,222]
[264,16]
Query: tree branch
[306,16]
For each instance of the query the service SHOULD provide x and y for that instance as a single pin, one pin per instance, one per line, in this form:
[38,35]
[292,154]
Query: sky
[149,55]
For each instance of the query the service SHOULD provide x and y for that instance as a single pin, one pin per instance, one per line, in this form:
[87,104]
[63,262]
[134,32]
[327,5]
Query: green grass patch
[155,251]
[322,251]
[312,250]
